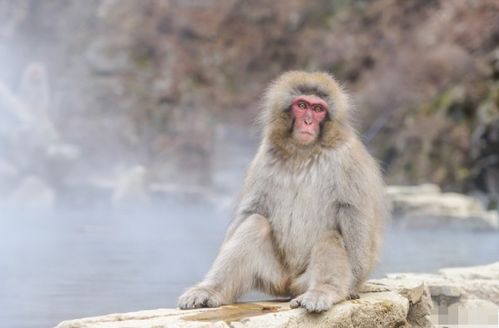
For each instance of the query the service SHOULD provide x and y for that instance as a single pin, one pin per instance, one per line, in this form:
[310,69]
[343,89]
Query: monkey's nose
[308,119]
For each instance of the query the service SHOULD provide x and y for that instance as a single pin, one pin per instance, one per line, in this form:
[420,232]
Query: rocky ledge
[426,206]
[464,296]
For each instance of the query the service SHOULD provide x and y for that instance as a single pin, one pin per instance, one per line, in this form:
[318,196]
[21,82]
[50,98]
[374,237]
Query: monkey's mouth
[305,137]
[307,133]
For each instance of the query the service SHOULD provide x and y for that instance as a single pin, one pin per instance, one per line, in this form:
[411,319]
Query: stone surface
[374,309]
[464,296]
[460,295]
[487,272]
[131,187]
[415,291]
[425,206]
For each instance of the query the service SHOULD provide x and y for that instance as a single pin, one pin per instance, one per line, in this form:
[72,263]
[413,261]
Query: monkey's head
[305,110]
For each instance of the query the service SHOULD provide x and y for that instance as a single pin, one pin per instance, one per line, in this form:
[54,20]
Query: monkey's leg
[246,259]
[330,275]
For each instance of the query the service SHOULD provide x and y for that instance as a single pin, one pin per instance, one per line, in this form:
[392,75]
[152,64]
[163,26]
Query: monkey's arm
[252,201]
[361,210]
[357,229]
[253,198]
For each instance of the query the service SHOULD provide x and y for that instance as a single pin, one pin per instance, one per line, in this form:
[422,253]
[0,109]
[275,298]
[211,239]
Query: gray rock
[459,295]
[376,309]
[464,296]
[131,187]
[425,206]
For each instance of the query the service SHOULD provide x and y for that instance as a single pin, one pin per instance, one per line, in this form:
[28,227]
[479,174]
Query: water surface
[71,264]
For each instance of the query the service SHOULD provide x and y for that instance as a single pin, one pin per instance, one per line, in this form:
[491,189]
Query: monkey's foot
[198,297]
[315,301]
[353,296]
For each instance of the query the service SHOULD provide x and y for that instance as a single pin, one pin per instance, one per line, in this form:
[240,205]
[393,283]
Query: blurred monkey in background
[309,218]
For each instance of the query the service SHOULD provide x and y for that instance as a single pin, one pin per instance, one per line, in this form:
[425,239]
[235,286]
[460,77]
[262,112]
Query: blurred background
[126,127]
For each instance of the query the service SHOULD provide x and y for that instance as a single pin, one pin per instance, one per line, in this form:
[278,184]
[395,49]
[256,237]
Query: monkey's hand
[197,297]
[315,300]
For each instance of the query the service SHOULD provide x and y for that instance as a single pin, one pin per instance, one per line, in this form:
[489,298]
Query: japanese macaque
[309,219]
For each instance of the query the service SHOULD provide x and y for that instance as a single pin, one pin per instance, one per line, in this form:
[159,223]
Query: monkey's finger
[200,301]
[210,302]
[189,301]
[295,303]
[317,306]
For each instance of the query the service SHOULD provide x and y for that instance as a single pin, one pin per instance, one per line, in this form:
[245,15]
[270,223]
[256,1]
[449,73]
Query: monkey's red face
[308,113]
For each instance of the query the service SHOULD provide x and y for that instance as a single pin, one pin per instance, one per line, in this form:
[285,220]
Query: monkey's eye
[302,105]
[318,108]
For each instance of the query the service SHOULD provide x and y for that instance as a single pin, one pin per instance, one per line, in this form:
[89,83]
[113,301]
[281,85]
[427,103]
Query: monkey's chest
[299,218]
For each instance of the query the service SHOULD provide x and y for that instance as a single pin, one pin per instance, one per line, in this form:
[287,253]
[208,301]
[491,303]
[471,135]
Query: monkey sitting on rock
[309,218]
